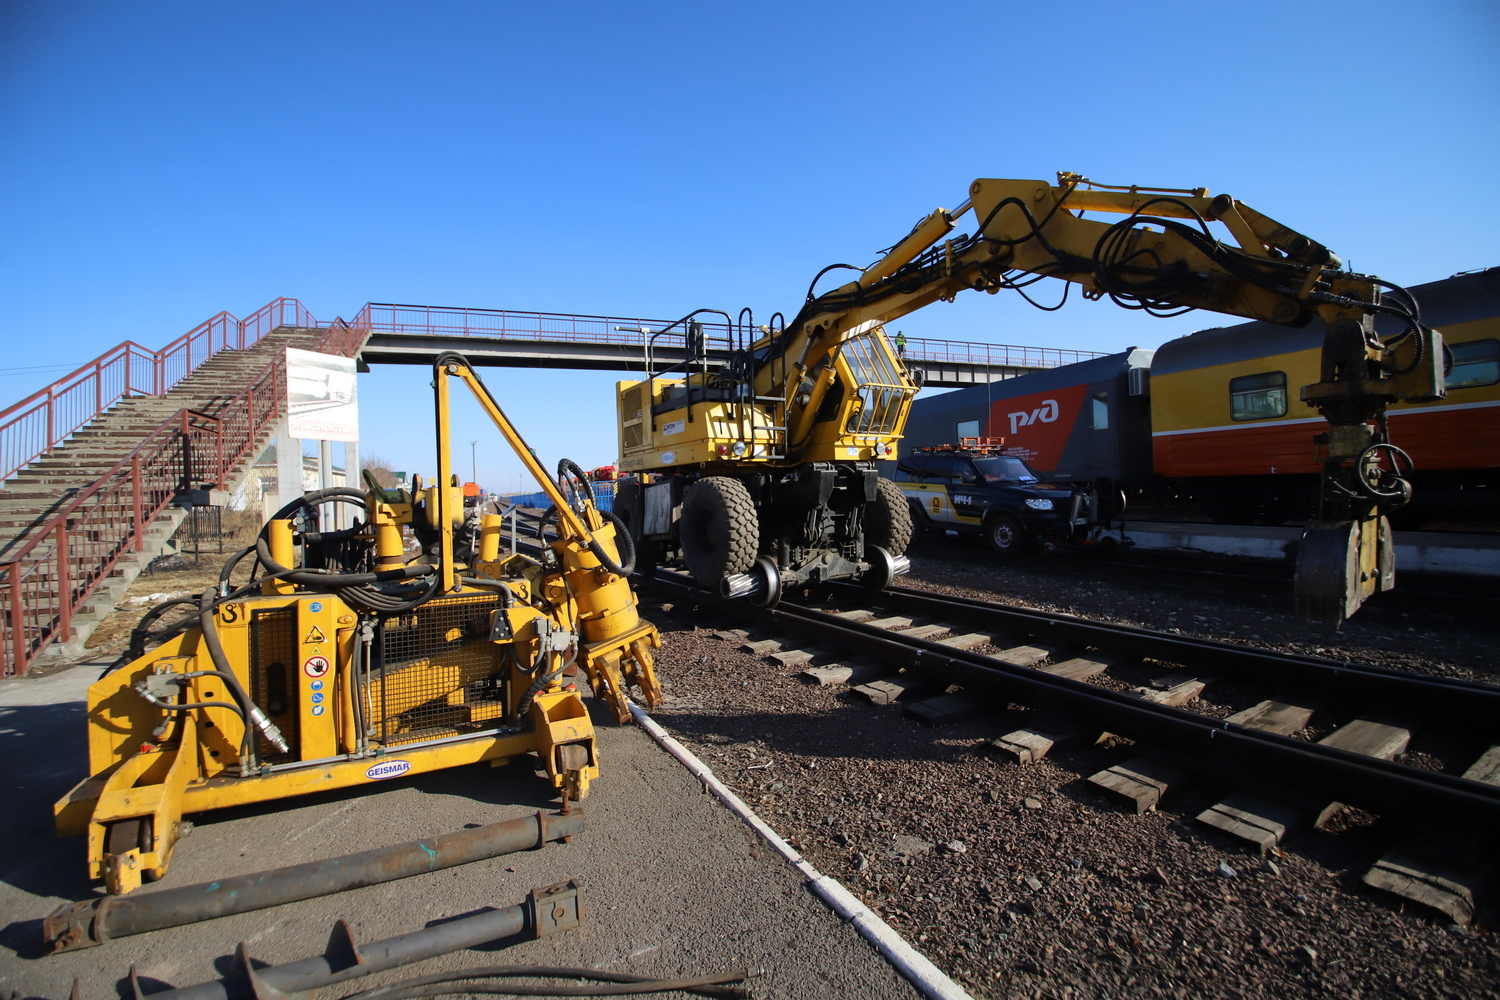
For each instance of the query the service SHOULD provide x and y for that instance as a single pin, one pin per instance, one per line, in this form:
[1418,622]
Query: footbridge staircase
[93,464]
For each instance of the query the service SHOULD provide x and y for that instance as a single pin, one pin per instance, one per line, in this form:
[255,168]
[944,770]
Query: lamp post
[474,461]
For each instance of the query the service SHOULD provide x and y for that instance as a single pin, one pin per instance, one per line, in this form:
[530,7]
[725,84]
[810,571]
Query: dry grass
[177,577]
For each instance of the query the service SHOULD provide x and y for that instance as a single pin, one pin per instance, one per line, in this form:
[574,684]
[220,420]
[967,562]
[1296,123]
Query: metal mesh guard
[437,674]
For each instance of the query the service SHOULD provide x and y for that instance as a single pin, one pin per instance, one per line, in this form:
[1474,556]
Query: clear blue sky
[160,162]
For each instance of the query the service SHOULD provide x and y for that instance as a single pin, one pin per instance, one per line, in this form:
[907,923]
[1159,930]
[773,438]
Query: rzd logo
[1046,414]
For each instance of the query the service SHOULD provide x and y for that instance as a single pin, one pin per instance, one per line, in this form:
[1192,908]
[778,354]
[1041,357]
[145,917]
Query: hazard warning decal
[314,636]
[315,666]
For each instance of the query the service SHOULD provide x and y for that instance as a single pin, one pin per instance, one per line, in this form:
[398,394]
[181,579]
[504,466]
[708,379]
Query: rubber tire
[888,519]
[1004,534]
[719,532]
[921,521]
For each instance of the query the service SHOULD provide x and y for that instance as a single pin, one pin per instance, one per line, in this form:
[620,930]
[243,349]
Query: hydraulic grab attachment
[790,425]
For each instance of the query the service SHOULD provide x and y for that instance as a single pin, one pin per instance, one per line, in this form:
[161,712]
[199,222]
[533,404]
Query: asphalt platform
[673,884]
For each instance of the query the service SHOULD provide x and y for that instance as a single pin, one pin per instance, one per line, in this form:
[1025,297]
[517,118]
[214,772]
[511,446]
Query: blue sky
[160,162]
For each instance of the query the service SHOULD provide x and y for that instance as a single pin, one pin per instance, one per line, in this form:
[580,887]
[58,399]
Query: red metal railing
[61,563]
[513,324]
[46,418]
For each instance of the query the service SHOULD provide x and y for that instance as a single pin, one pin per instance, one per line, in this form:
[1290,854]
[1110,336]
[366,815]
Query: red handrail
[43,585]
[40,422]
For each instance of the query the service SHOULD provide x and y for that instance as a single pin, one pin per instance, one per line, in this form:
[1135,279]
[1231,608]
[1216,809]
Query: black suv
[980,491]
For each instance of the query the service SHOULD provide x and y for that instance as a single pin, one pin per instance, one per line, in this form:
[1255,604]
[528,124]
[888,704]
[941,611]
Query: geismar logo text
[1046,414]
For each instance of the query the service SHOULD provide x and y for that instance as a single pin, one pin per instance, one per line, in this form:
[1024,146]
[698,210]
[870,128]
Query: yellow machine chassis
[482,671]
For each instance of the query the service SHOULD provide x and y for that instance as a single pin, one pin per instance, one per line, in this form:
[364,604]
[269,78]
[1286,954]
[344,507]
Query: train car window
[966,429]
[1101,412]
[1258,397]
[1474,363]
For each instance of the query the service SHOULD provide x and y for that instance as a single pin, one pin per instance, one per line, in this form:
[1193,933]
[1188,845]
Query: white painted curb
[908,961]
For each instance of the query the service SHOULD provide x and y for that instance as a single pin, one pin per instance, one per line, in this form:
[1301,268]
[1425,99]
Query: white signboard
[320,396]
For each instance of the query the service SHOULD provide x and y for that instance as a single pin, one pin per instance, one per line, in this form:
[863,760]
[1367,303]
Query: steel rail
[1362,686]
[1311,774]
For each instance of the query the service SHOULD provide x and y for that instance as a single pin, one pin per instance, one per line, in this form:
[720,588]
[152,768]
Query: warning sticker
[315,666]
[315,635]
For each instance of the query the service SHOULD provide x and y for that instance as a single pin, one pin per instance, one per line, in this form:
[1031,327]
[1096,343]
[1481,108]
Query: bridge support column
[288,468]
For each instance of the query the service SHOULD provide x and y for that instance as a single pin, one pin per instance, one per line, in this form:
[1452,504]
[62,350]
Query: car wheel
[1004,534]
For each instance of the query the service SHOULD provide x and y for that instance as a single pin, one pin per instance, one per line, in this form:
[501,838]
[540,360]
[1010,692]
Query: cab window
[924,470]
[1258,397]
[1474,363]
[966,429]
[963,472]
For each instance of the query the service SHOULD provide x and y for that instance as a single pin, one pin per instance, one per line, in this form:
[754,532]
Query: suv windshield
[1005,470]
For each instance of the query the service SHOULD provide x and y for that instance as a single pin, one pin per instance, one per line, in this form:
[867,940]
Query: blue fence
[604,498]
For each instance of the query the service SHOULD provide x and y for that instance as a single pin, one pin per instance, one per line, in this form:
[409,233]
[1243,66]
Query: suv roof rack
[966,445]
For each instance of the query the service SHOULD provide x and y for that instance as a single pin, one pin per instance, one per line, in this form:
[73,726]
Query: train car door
[1104,442]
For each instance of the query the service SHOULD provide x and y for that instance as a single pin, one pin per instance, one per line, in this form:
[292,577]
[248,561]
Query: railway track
[1246,579]
[1312,739]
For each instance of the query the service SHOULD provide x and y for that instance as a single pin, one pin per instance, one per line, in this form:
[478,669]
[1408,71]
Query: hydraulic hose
[624,984]
[248,708]
[567,469]
[355,589]
[228,570]
[623,541]
[540,683]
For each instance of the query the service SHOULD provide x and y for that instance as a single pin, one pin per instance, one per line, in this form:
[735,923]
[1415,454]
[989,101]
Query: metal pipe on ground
[94,921]
[545,911]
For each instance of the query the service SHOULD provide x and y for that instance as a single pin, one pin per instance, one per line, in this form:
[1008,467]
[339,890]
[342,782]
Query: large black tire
[888,519]
[719,532]
[1005,534]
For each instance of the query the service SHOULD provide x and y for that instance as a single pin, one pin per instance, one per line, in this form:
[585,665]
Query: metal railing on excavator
[62,561]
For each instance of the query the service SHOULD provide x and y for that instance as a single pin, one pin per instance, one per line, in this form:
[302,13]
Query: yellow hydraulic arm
[616,644]
[1162,256]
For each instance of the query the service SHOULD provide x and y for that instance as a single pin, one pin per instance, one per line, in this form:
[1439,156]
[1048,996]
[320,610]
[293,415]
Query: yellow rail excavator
[349,658]
[756,468]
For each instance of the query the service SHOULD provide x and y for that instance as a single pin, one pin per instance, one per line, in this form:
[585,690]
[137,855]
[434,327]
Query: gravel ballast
[1021,881]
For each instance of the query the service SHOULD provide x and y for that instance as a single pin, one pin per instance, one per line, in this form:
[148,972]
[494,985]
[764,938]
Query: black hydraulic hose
[568,469]
[623,542]
[228,570]
[324,580]
[167,706]
[437,984]
[94,921]
[354,589]
[254,717]
[540,683]
[542,522]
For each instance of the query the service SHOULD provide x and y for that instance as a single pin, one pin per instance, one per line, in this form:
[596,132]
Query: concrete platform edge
[907,960]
